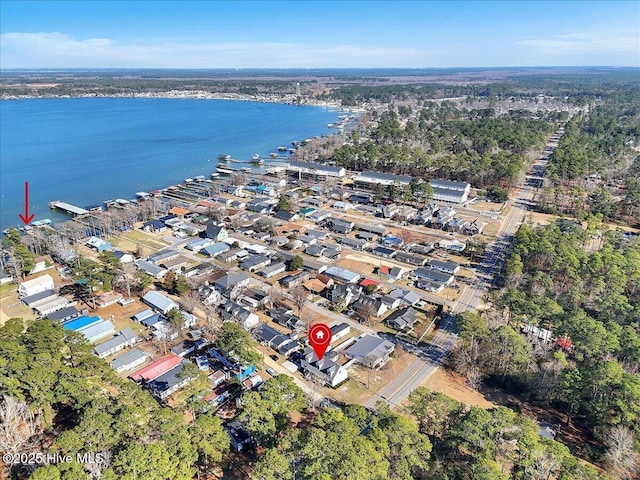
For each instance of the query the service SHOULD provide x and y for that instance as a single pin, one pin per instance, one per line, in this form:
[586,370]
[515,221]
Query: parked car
[271,372]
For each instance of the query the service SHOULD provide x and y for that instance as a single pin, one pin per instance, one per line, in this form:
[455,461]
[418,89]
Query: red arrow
[26,218]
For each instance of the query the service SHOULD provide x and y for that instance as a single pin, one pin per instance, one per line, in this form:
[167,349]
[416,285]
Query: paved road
[433,356]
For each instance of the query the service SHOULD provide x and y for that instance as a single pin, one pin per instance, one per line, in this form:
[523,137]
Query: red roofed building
[564,343]
[179,211]
[368,281]
[155,369]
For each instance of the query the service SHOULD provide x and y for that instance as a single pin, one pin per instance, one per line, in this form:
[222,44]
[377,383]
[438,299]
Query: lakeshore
[88,150]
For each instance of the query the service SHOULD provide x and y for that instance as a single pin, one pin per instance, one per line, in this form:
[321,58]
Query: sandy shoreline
[200,95]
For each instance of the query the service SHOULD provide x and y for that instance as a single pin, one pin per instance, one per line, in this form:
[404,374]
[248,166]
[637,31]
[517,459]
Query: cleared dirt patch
[454,386]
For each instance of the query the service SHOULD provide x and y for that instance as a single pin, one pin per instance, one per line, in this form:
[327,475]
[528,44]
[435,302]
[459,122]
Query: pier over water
[67,207]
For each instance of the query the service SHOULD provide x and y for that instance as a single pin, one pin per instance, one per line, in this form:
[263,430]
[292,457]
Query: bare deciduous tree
[19,428]
[621,459]
[190,301]
[299,297]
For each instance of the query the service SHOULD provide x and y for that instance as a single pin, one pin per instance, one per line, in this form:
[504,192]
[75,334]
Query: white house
[36,285]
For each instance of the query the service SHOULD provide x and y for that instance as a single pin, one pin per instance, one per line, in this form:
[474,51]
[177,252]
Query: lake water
[87,150]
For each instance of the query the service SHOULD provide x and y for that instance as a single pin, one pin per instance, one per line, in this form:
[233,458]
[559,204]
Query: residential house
[159,302]
[346,293]
[163,256]
[391,210]
[342,206]
[445,215]
[98,244]
[253,297]
[391,273]
[384,252]
[354,243]
[168,383]
[176,264]
[431,286]
[125,338]
[370,351]
[432,275]
[294,279]
[64,314]
[265,334]
[96,331]
[255,263]
[285,317]
[319,216]
[448,266]
[454,245]
[273,269]
[412,258]
[36,285]
[129,360]
[343,274]
[339,331]
[156,368]
[286,216]
[240,437]
[324,370]
[150,269]
[403,319]
[340,226]
[314,250]
[390,241]
[232,311]
[407,297]
[42,263]
[199,244]
[154,226]
[217,233]
[231,283]
[425,249]
[366,306]
[123,257]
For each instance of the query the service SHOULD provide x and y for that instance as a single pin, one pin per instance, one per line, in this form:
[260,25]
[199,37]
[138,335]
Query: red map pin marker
[319,338]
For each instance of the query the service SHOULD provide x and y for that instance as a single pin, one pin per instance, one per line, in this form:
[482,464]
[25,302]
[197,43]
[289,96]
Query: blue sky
[308,34]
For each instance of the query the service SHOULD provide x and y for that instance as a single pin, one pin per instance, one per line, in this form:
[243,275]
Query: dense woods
[443,140]
[70,402]
[596,167]
[582,284]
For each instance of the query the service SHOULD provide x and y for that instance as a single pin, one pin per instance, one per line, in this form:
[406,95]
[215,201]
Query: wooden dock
[68,208]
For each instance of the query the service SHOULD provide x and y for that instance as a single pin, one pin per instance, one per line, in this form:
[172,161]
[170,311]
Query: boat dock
[68,208]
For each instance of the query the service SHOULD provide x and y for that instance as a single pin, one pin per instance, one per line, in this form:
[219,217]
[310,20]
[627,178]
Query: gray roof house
[448,266]
[432,275]
[163,256]
[343,274]
[403,319]
[327,371]
[232,311]
[408,297]
[371,351]
[215,249]
[150,268]
[254,263]
[129,360]
[168,383]
[231,282]
[159,302]
[273,269]
[124,338]
[216,232]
